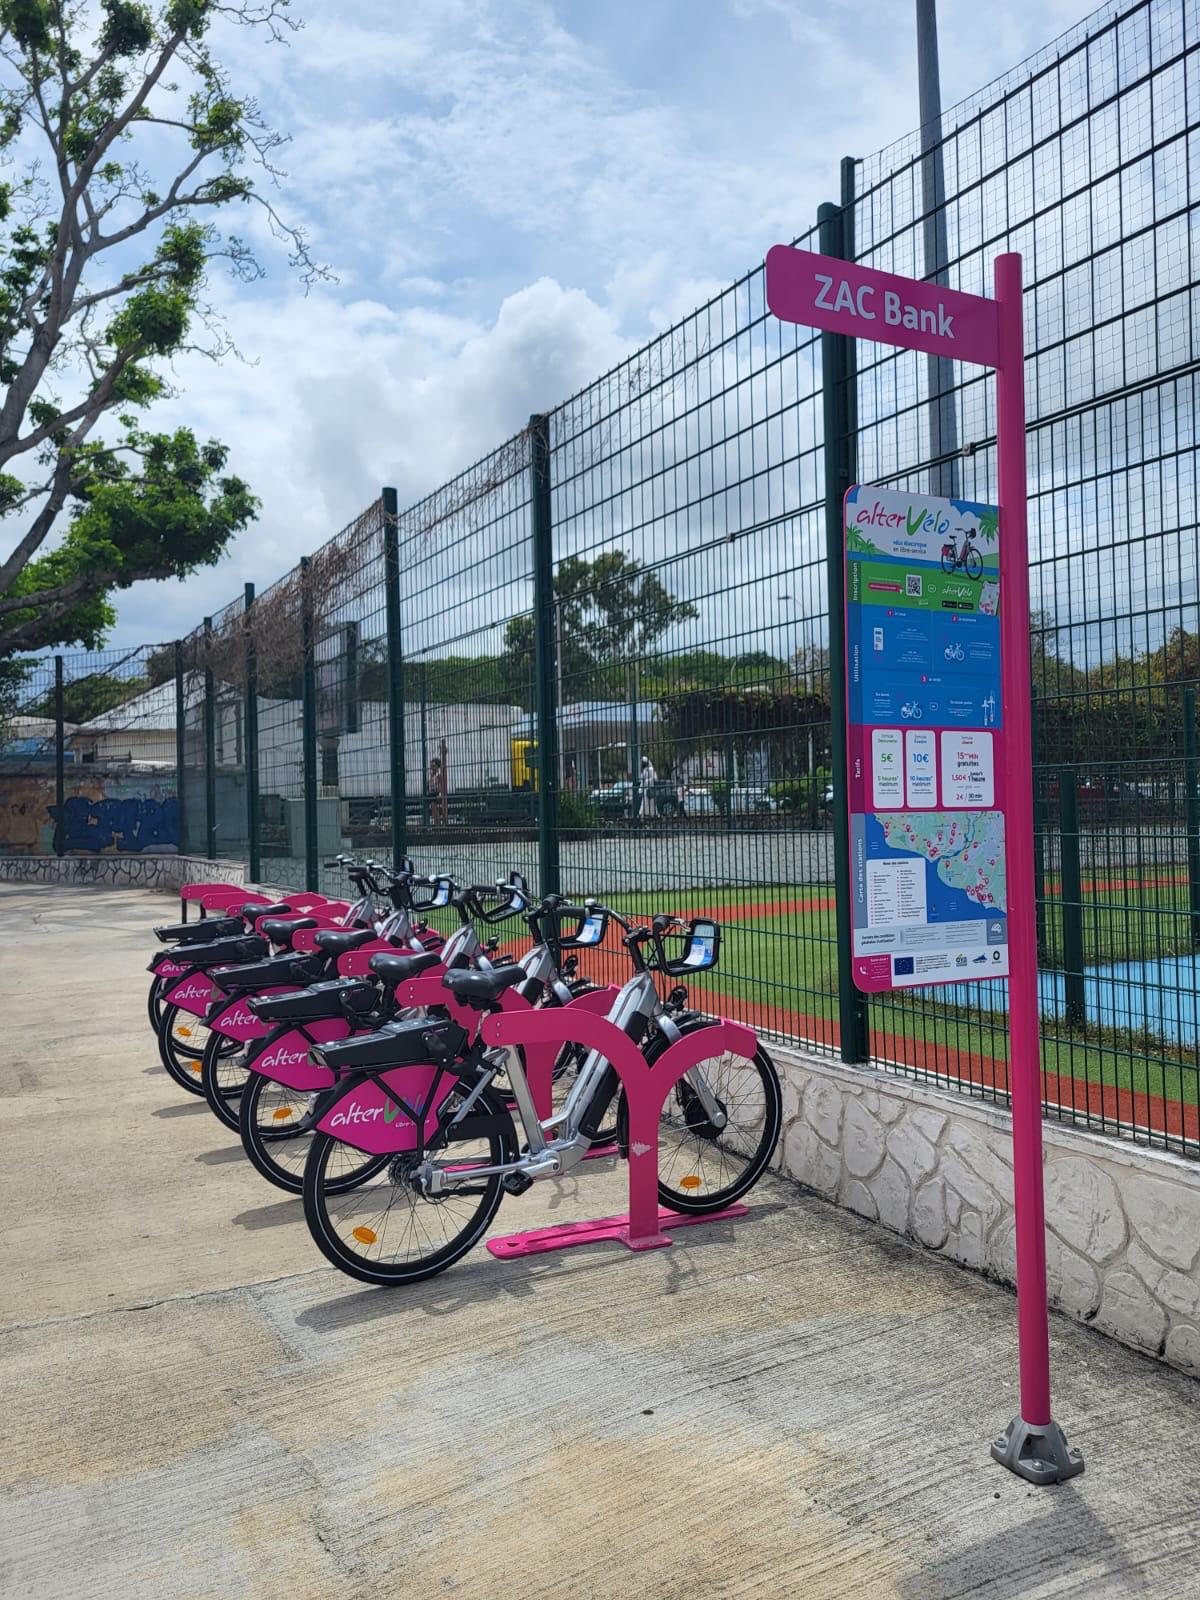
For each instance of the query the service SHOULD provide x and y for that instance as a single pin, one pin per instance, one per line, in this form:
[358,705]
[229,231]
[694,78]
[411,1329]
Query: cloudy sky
[513,193]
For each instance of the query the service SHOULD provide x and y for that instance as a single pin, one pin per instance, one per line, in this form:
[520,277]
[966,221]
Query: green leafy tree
[609,612]
[132,139]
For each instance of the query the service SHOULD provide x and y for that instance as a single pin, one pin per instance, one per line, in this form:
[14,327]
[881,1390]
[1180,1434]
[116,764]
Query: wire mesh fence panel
[350,679]
[192,742]
[118,764]
[692,648]
[276,629]
[466,636]
[1084,161]
[28,793]
[226,666]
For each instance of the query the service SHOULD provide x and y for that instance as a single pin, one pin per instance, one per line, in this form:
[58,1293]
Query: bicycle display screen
[590,930]
[702,947]
[441,894]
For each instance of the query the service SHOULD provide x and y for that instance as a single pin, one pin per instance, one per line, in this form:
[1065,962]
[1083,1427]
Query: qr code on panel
[912,584]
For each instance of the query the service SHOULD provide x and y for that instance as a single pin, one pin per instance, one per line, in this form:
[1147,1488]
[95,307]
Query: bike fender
[373,1122]
[284,1056]
[236,1021]
[192,992]
[165,966]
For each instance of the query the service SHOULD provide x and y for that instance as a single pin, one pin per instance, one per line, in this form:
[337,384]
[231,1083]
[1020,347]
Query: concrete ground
[797,1403]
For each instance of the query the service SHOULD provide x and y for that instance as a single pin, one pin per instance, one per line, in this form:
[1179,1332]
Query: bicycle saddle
[202,932]
[254,909]
[318,1001]
[335,942]
[394,970]
[282,932]
[482,989]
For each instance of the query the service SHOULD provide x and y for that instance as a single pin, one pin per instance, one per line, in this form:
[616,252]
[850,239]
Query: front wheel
[223,1077]
[702,1167]
[974,564]
[387,1230]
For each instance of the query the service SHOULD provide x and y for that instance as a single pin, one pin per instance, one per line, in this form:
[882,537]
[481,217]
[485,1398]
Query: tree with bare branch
[124,139]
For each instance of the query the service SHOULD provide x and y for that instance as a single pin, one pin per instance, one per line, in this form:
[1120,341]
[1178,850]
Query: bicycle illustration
[954,652]
[911,711]
[965,559]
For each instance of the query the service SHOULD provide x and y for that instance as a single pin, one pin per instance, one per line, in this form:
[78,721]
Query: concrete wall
[1123,1238]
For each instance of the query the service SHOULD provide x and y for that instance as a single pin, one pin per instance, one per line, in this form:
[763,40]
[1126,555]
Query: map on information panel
[926,740]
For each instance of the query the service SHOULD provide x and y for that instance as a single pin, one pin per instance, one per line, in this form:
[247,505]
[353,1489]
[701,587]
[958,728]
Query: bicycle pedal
[517,1183]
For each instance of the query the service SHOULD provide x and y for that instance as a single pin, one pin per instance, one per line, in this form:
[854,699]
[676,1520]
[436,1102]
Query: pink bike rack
[646,1090]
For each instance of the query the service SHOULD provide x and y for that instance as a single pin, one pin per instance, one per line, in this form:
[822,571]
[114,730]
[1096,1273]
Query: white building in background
[474,740]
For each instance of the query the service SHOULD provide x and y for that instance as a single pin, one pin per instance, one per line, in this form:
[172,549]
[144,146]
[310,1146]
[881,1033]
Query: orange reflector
[184,1033]
[194,1066]
[282,1114]
[690,1182]
[365,1235]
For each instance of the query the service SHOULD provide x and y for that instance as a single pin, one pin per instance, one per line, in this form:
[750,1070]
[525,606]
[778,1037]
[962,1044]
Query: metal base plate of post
[1038,1453]
[567,1234]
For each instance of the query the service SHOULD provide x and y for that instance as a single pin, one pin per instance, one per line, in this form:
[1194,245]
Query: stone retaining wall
[1123,1234]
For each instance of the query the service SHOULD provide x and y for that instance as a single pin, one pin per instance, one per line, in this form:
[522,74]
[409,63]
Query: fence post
[1071,898]
[839,424]
[250,716]
[1040,820]
[425,745]
[309,730]
[545,666]
[397,770]
[60,758]
[210,749]
[180,743]
[1191,798]
[635,747]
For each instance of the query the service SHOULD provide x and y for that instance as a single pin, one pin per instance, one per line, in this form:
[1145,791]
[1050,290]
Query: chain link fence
[603,653]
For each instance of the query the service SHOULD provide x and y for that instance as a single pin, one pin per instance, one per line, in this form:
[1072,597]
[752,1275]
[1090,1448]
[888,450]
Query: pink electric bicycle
[420,1115]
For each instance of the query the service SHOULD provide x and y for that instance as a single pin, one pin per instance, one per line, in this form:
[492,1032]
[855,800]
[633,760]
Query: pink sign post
[862,303]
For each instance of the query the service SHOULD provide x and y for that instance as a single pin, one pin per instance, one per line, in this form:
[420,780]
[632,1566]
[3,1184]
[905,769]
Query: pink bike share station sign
[940,754]
[926,740]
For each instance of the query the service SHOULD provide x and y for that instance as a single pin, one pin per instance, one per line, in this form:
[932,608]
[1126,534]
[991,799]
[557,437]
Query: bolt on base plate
[1038,1453]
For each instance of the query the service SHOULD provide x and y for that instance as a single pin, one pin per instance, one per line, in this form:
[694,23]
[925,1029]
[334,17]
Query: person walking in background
[648,807]
[439,806]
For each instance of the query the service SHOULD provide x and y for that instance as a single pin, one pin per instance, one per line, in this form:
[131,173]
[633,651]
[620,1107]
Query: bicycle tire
[280,1156]
[222,1079]
[154,1002]
[501,1146]
[183,1063]
[949,563]
[973,564]
[690,1201]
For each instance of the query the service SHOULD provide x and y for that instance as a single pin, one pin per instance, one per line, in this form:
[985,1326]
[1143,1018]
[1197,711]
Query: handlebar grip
[332,863]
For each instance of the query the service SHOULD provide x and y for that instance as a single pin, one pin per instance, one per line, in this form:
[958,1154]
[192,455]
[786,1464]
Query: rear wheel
[154,1002]
[181,1039]
[387,1230]
[223,1077]
[703,1167]
[270,1120]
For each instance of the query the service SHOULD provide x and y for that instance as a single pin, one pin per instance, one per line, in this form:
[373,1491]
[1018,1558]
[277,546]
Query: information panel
[926,740]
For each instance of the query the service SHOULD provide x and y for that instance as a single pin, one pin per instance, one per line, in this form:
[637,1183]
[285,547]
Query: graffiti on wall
[117,815]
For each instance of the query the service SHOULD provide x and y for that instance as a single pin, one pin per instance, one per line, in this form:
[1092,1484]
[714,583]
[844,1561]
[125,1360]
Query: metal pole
[943,428]
[544,651]
[309,731]
[839,430]
[180,754]
[424,745]
[251,719]
[210,749]
[1033,1444]
[635,749]
[60,758]
[397,751]
[1191,799]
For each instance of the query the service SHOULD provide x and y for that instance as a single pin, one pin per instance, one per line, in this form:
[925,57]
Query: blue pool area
[1160,996]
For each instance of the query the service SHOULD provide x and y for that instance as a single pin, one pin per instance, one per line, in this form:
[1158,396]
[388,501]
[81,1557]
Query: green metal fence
[606,653]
